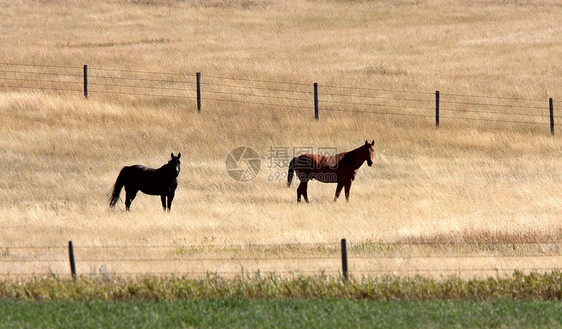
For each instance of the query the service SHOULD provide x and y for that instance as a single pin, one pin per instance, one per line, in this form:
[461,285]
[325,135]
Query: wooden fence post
[72,262]
[345,271]
[551,106]
[437,108]
[316,108]
[199,92]
[86,81]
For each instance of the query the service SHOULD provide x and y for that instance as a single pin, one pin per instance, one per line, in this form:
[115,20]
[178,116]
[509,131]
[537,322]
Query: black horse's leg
[338,190]
[129,197]
[170,199]
[347,188]
[163,199]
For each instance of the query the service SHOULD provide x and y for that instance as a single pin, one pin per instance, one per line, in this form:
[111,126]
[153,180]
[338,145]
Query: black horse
[162,181]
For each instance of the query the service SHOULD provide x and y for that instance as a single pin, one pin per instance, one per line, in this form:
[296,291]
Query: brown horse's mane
[335,161]
[350,156]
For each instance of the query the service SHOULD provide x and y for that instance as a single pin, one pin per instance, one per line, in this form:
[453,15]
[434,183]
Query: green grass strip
[287,313]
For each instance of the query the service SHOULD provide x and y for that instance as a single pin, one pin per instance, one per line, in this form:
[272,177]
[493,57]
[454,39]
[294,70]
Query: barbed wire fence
[357,259]
[310,99]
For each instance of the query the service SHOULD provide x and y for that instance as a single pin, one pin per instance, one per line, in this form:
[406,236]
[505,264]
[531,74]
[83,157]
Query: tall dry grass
[60,154]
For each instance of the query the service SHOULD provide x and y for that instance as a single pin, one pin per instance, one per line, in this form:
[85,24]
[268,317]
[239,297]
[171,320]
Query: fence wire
[379,258]
[257,93]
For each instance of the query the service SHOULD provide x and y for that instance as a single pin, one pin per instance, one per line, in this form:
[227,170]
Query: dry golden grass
[60,154]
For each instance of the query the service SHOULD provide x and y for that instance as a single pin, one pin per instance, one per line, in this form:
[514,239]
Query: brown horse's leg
[305,194]
[302,191]
[338,190]
[163,199]
[347,188]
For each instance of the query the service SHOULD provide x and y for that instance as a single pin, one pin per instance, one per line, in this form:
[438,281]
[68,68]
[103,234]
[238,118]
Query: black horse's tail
[117,189]
[291,172]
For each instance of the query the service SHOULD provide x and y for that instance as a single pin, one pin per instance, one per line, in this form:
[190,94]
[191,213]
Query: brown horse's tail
[117,189]
[291,172]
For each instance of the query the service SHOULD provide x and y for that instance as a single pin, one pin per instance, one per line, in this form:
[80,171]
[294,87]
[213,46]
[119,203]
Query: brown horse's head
[369,149]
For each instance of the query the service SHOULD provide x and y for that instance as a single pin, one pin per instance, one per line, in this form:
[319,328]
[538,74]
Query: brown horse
[340,168]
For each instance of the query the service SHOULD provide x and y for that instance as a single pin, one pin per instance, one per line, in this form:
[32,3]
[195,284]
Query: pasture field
[464,182]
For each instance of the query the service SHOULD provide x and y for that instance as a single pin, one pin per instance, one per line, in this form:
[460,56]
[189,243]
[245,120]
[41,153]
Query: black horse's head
[369,149]
[174,164]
